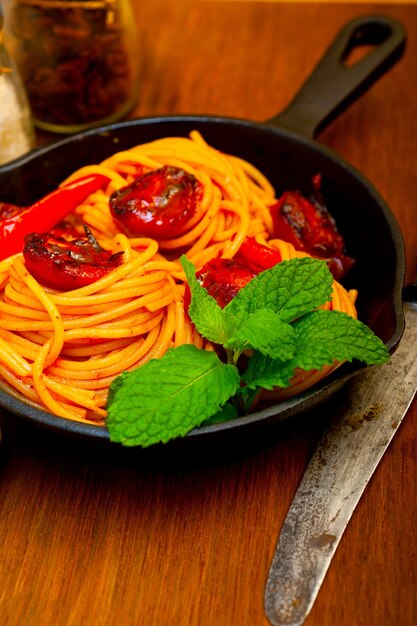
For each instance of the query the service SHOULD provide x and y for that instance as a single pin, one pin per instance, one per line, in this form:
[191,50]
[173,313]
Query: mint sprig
[272,327]
[167,397]
[264,331]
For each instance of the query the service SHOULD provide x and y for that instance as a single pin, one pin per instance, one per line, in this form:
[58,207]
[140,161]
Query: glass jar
[16,130]
[77,58]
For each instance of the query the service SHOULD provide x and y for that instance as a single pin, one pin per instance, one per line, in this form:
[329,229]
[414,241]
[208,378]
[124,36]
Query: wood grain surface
[98,537]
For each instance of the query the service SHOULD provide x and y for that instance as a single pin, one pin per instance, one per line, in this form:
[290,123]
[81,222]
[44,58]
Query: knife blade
[339,470]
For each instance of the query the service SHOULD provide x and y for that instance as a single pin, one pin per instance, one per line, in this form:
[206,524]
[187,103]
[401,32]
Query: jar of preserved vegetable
[16,131]
[77,58]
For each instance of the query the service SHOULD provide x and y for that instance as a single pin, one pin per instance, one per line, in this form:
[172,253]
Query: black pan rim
[59,424]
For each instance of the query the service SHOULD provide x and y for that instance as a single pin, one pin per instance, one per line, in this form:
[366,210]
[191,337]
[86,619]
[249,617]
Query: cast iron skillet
[284,149]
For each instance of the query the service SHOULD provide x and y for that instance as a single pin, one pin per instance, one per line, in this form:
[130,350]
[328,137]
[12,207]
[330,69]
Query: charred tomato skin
[63,264]
[65,229]
[224,278]
[158,204]
[307,224]
[257,256]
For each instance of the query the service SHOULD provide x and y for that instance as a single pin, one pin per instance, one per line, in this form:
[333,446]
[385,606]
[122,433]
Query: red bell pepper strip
[43,215]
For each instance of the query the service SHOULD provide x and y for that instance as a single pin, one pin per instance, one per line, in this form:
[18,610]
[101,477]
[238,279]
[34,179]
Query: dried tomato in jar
[77,58]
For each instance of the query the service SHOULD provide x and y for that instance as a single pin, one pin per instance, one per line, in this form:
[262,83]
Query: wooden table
[95,538]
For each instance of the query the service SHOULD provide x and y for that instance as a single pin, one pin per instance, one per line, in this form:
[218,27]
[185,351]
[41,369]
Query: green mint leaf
[326,336]
[322,337]
[262,371]
[290,289]
[227,412]
[167,397]
[263,330]
[211,321]
[245,398]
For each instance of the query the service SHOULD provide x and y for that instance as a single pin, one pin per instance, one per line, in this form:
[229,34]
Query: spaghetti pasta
[60,350]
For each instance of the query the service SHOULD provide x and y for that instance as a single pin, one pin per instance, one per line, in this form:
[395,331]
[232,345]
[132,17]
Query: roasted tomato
[308,225]
[67,264]
[158,204]
[257,256]
[66,230]
[223,278]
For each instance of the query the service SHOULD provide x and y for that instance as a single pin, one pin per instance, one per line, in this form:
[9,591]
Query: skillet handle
[333,85]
